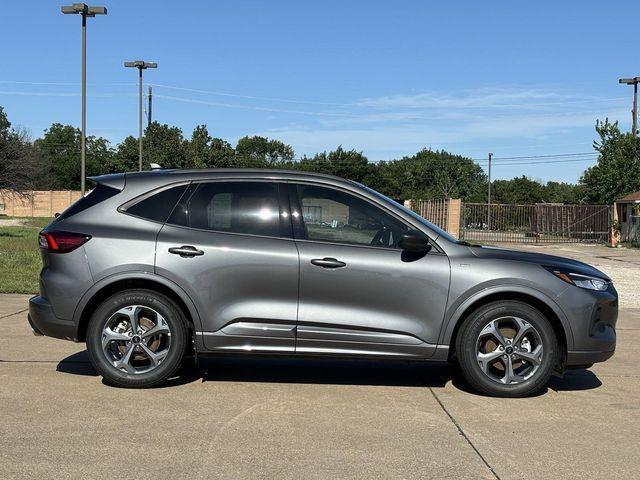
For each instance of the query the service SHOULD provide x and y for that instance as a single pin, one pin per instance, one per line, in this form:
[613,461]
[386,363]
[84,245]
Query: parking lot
[277,418]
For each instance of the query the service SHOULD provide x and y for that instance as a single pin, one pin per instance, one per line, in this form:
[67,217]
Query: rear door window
[251,208]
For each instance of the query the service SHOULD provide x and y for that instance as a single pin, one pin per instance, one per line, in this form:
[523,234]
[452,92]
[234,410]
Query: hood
[537,258]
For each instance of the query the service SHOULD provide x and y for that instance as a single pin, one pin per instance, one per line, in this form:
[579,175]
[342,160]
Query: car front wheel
[507,349]
[137,339]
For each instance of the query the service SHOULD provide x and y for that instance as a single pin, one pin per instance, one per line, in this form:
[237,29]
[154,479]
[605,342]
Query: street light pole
[85,11]
[633,81]
[140,65]
[489,196]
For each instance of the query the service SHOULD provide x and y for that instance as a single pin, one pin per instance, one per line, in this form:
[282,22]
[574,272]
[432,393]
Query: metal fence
[436,211]
[540,223]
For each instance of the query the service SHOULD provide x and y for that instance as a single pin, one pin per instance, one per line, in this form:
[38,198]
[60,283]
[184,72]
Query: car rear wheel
[507,349]
[137,339]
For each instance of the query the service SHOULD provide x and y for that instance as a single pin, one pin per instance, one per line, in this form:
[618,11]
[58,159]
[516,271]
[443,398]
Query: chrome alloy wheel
[509,350]
[136,339]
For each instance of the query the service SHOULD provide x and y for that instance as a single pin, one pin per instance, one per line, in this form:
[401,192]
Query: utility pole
[150,97]
[140,65]
[489,196]
[634,113]
[85,11]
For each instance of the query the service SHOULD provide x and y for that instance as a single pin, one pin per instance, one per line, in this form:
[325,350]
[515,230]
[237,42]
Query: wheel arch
[533,298]
[117,283]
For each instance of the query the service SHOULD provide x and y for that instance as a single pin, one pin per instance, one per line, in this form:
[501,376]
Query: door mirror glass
[414,241]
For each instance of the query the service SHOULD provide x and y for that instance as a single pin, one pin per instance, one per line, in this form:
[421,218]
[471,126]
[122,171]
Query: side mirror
[414,241]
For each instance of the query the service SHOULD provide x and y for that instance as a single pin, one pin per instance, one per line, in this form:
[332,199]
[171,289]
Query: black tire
[467,344]
[173,317]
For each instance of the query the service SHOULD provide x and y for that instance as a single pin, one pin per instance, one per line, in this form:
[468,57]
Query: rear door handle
[186,251]
[328,262]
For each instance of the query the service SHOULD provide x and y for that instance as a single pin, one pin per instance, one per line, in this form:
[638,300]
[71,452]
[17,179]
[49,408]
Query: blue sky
[386,78]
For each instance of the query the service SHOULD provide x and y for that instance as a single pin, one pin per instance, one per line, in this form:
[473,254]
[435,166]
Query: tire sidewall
[164,307]
[468,344]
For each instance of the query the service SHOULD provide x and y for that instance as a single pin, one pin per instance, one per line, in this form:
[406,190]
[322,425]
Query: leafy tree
[520,190]
[617,172]
[164,145]
[343,163]
[20,165]
[204,151]
[259,151]
[61,145]
[431,174]
[125,158]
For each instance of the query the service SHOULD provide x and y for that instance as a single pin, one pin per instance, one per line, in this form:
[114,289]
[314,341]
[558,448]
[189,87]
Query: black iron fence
[540,223]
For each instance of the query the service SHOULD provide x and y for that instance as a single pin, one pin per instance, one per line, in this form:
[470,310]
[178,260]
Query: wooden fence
[36,203]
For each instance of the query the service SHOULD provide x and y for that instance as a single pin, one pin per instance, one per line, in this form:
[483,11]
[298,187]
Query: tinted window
[158,206]
[334,216]
[237,207]
[94,197]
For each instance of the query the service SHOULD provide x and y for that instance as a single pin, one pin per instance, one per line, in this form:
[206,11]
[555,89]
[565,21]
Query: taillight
[61,242]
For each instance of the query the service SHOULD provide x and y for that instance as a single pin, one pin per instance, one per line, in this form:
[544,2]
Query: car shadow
[325,371]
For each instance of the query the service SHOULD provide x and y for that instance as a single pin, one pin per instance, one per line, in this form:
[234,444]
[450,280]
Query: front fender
[466,302]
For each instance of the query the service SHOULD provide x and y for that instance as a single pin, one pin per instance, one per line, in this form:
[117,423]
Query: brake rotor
[146,324]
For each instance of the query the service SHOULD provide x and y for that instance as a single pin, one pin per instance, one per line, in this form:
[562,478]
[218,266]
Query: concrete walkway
[284,419]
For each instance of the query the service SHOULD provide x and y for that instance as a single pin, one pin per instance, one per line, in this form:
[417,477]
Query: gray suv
[151,267]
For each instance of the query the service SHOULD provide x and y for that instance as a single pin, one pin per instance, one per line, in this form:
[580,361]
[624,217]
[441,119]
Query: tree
[125,158]
[61,145]
[348,164]
[262,152]
[204,151]
[20,165]
[431,174]
[617,172]
[164,145]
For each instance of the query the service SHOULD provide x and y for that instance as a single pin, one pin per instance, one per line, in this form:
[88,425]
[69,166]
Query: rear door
[229,245]
[359,292]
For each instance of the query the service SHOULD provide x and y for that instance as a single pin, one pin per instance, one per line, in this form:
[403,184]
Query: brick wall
[37,203]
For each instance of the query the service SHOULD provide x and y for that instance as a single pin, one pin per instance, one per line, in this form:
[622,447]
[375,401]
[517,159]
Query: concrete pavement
[277,418]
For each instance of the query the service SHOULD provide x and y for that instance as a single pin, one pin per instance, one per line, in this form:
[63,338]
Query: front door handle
[186,251]
[328,262]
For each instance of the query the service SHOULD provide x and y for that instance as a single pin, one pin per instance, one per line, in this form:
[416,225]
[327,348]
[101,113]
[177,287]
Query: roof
[631,198]
[117,180]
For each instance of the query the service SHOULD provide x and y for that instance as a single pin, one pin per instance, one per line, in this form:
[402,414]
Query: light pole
[86,11]
[633,81]
[140,65]
[489,196]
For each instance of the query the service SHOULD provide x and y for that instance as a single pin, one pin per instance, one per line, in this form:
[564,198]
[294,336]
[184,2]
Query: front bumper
[44,322]
[593,316]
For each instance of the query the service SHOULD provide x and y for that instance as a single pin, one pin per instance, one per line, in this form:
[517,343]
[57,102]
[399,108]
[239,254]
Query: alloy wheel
[136,339]
[509,350]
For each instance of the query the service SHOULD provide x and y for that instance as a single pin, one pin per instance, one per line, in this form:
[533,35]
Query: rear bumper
[44,322]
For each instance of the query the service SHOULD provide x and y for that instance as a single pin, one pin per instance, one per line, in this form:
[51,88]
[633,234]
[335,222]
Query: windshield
[440,232]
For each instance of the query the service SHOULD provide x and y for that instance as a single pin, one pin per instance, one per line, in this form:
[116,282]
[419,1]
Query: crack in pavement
[14,313]
[464,435]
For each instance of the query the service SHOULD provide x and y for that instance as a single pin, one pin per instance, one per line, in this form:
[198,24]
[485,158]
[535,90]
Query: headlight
[580,280]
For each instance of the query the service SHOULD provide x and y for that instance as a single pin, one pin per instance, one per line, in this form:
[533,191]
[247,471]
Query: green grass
[20,261]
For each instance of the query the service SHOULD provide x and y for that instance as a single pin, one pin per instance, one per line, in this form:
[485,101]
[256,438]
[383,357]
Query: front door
[228,245]
[359,293]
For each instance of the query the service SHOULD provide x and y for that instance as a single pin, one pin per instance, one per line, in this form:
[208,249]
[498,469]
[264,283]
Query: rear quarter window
[94,197]
[156,206]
